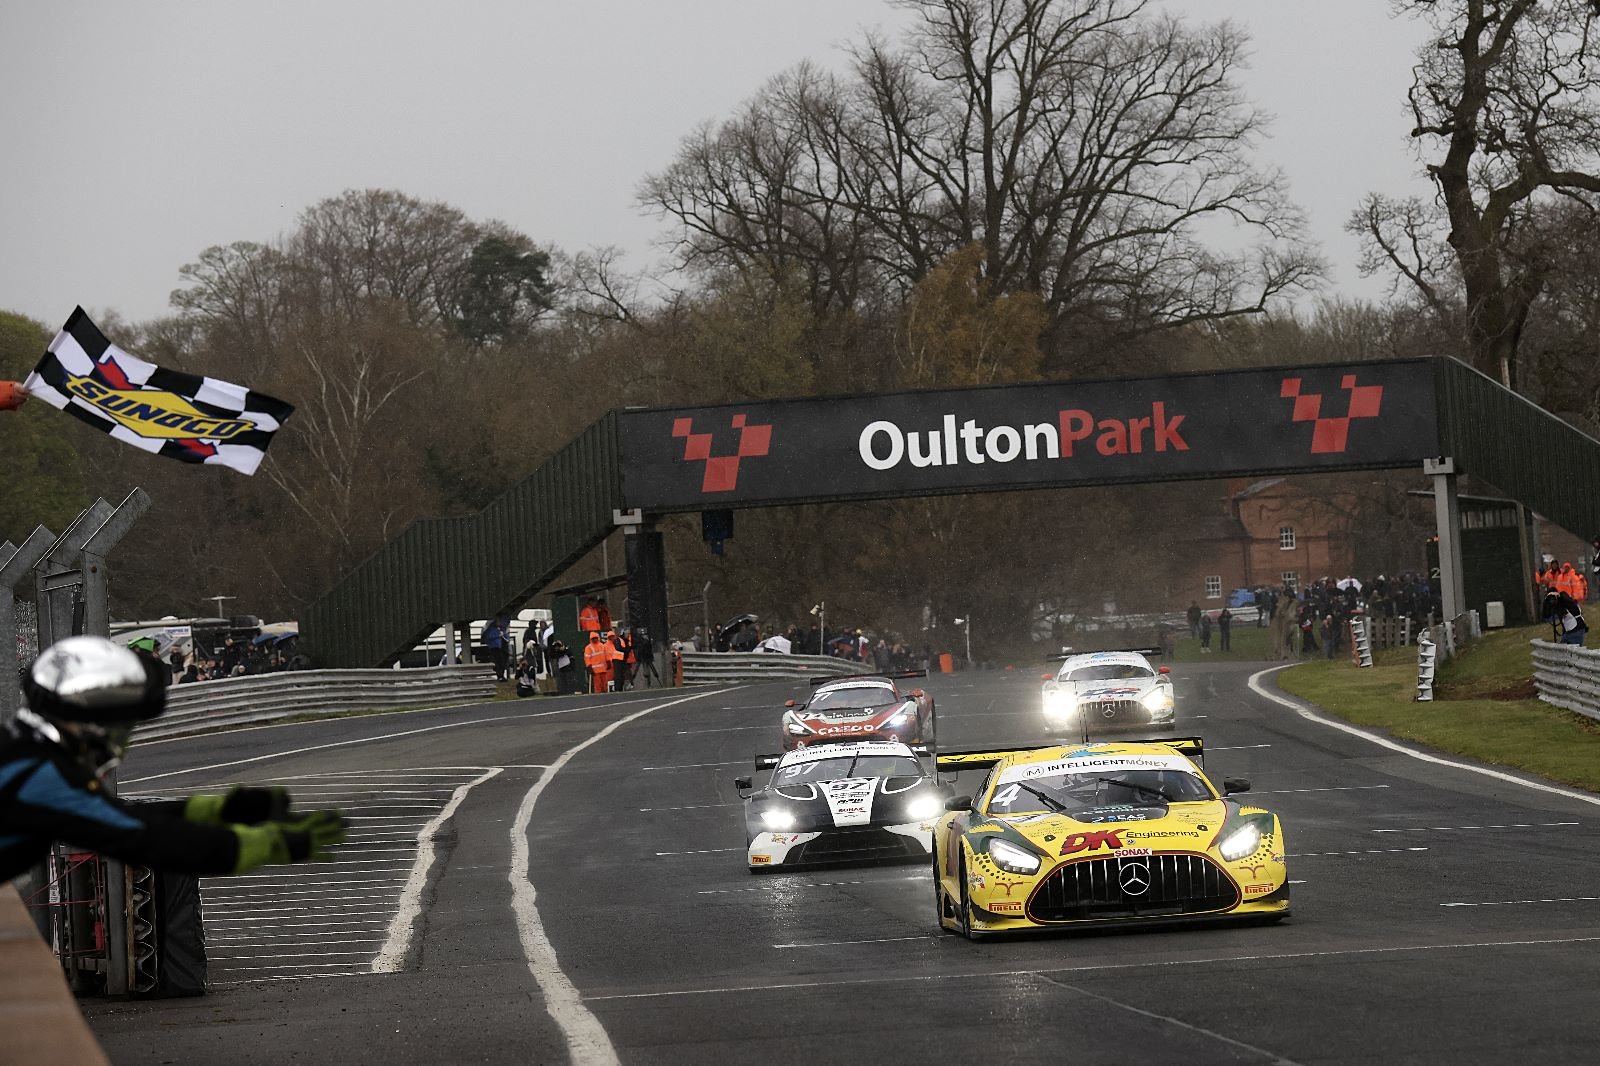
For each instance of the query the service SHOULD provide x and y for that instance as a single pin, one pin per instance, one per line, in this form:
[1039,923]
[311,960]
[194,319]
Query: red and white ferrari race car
[870,707]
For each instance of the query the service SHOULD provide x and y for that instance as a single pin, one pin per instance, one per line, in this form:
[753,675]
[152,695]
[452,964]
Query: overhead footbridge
[1431,413]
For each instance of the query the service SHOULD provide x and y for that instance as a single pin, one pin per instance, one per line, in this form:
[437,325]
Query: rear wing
[767,762]
[980,760]
[1194,747]
[815,681]
[1104,651]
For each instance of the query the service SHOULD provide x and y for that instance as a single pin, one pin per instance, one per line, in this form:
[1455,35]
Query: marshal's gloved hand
[243,805]
[304,837]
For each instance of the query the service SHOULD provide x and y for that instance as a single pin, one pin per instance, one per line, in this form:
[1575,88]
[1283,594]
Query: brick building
[1270,532]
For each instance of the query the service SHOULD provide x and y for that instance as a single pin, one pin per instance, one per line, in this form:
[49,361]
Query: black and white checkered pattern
[80,350]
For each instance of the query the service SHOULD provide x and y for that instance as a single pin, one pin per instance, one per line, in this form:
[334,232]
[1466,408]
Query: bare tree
[1082,144]
[1504,110]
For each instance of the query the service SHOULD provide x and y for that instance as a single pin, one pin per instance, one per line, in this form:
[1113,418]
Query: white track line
[1272,1056]
[393,955]
[1514,902]
[1448,828]
[1155,964]
[842,943]
[701,851]
[1334,788]
[699,765]
[1367,851]
[587,1041]
[691,807]
[1385,742]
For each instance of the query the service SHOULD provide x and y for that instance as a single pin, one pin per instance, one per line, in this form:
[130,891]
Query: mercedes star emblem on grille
[1134,878]
[1109,711]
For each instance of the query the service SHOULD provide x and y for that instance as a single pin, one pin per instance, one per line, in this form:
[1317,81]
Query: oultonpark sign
[1285,420]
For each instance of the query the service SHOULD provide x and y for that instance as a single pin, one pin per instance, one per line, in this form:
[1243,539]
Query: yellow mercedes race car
[1102,834]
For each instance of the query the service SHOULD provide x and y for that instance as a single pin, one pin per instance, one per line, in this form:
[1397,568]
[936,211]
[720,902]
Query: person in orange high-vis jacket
[619,660]
[12,395]
[589,617]
[629,665]
[597,660]
[1580,580]
[1567,581]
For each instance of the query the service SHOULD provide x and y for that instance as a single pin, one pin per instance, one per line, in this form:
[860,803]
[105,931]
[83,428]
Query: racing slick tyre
[964,916]
[938,898]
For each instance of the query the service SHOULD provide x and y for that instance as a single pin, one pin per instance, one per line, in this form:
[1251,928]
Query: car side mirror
[1230,785]
[742,784]
[788,703]
[958,803]
[1163,669]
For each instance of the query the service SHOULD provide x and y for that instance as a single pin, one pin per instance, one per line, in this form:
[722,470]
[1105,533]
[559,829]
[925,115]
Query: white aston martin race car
[1106,690]
[869,801]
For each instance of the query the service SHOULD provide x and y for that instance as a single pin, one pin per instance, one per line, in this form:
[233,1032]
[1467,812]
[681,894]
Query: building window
[1214,587]
[1291,580]
[1286,538]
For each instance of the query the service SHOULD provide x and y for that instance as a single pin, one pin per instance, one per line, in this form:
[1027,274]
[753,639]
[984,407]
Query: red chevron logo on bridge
[1333,433]
[722,471]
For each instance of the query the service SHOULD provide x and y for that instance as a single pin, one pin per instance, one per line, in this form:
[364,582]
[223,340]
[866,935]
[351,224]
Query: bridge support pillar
[1447,516]
[645,551]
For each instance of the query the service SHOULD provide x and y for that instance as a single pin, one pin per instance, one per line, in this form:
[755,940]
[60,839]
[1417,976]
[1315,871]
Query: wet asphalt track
[1439,915]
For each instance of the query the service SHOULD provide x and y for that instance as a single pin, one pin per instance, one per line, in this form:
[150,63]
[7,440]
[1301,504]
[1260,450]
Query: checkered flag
[182,416]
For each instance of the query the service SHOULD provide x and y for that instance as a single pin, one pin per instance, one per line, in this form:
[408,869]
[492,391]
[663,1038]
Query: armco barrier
[1568,676]
[724,668]
[42,1025]
[202,706]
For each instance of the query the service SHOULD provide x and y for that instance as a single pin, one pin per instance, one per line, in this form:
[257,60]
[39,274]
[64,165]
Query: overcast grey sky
[138,132]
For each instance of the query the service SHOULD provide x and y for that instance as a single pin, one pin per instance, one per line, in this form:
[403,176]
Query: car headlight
[900,717]
[922,808]
[795,726]
[779,820]
[1157,699]
[1240,843]
[1011,858]
[1060,702]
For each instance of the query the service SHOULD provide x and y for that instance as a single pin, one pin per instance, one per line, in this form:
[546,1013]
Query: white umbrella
[1349,583]
[780,645]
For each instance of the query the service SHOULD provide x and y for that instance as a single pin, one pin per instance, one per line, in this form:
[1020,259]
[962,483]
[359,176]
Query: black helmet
[95,682]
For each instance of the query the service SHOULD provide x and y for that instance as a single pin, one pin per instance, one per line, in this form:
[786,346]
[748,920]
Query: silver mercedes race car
[1105,690]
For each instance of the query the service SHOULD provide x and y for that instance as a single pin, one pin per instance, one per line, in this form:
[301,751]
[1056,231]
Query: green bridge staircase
[1518,447]
[441,570]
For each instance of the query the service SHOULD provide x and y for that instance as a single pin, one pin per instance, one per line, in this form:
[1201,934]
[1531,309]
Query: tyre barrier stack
[1360,641]
[1427,653]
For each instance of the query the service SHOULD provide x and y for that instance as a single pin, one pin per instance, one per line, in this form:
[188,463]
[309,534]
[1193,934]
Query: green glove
[242,805]
[307,837]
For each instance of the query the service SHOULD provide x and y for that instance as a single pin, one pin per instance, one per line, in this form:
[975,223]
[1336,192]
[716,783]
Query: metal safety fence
[723,668]
[1568,676]
[203,706]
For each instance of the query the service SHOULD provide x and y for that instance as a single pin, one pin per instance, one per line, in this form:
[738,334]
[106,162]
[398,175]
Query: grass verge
[1484,707]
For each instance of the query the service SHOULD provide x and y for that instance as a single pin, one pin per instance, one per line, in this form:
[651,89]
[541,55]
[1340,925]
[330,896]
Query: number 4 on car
[1102,834]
